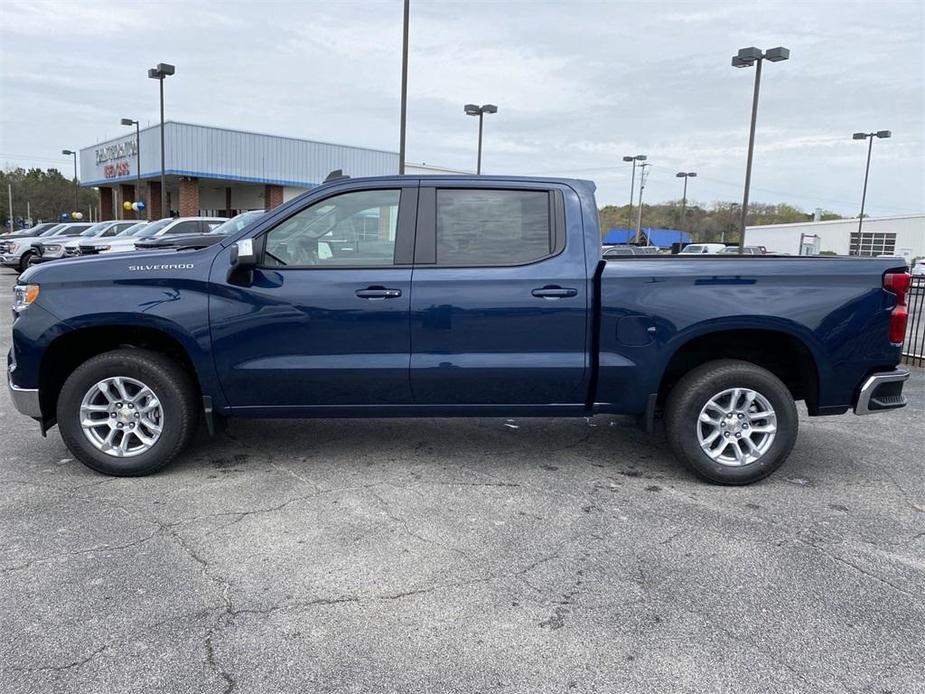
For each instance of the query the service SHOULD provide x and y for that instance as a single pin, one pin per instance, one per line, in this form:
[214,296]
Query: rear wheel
[731,421]
[127,412]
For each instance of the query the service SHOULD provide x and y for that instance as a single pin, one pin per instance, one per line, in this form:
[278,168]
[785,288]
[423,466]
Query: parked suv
[53,249]
[18,252]
[162,227]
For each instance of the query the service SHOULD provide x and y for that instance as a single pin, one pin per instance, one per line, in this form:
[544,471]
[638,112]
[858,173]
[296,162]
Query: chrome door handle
[378,293]
[554,292]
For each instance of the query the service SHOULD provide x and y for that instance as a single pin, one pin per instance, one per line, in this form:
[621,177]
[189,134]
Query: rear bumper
[882,391]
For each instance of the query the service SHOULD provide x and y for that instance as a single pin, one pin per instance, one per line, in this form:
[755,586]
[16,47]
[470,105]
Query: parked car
[620,249]
[748,250]
[18,252]
[406,296]
[162,227]
[54,249]
[702,249]
[189,241]
[36,230]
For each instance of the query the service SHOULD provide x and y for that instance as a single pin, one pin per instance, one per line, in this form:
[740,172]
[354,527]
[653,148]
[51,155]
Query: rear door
[499,296]
[324,322]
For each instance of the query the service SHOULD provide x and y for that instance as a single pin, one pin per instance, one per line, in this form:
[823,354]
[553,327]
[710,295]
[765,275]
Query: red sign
[116,170]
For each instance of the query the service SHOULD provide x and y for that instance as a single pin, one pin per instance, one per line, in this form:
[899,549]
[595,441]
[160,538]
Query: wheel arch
[786,354]
[70,349]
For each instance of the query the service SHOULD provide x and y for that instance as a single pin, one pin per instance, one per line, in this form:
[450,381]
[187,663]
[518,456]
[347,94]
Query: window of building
[870,243]
[351,229]
[492,227]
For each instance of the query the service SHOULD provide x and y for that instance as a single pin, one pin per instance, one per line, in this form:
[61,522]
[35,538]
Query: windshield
[237,223]
[97,228]
[152,228]
[37,230]
[693,249]
[54,230]
[132,230]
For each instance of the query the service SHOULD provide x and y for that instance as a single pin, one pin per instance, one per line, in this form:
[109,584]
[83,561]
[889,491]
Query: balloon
[138,206]
[78,215]
[126,206]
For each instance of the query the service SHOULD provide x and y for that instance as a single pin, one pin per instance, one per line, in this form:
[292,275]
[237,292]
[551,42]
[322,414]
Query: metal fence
[914,345]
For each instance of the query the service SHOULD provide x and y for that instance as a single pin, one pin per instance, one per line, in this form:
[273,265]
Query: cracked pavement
[464,556]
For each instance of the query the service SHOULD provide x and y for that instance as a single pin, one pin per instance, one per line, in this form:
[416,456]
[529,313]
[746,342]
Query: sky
[578,86]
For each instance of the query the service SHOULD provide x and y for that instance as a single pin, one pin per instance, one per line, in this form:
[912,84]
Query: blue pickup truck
[448,297]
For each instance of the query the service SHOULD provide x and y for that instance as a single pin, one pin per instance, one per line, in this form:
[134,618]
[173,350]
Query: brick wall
[189,197]
[273,196]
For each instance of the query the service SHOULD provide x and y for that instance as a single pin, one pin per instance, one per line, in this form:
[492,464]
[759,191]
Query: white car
[17,252]
[162,227]
[52,249]
[702,249]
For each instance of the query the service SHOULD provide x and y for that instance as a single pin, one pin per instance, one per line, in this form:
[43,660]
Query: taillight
[898,283]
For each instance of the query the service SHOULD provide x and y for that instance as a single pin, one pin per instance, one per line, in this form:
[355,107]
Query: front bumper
[882,391]
[10,259]
[26,400]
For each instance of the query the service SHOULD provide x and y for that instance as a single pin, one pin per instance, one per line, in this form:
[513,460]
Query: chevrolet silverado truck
[451,297]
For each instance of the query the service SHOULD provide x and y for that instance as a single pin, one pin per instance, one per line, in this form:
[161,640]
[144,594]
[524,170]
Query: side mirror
[243,256]
[243,263]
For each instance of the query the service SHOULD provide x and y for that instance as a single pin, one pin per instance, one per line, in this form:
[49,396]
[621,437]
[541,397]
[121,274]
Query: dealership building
[900,235]
[216,171]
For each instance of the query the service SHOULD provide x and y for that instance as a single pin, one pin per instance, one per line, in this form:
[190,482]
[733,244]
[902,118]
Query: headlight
[55,247]
[23,295]
[102,248]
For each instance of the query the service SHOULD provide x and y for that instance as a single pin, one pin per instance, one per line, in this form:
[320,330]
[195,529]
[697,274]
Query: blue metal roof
[663,238]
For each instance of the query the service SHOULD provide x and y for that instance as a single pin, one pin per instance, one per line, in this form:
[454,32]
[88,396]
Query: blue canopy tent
[663,238]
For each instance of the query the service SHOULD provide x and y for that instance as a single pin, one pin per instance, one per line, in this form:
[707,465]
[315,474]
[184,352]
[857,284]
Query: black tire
[694,391]
[170,384]
[26,260]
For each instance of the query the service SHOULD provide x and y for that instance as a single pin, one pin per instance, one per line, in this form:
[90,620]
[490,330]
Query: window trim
[425,249]
[404,231]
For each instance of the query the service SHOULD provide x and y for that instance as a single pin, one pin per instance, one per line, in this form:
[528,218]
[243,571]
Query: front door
[324,321]
[500,302]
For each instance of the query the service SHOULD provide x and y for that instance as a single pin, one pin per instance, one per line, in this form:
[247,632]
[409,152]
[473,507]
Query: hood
[109,268]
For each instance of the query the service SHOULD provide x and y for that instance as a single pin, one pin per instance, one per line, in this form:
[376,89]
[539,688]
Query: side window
[209,225]
[189,227]
[492,227]
[350,229]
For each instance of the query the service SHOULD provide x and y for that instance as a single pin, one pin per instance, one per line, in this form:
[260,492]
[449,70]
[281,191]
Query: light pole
[129,122]
[72,153]
[404,90]
[642,187]
[159,73]
[882,134]
[634,159]
[747,57]
[480,111]
[685,176]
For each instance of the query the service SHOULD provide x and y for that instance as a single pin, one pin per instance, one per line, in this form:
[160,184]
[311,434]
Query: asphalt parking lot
[464,556]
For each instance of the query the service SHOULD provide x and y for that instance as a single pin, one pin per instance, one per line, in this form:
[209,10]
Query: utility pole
[404,89]
[642,187]
[9,192]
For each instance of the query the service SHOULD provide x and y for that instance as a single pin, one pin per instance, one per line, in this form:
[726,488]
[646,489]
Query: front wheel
[731,421]
[25,262]
[127,412]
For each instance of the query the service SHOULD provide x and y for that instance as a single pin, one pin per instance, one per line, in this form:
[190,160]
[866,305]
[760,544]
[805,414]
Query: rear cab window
[486,227]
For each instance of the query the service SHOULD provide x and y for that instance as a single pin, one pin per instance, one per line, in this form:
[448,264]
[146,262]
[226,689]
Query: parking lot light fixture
[480,111]
[633,158]
[880,134]
[746,57]
[685,176]
[158,73]
[138,194]
[73,153]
